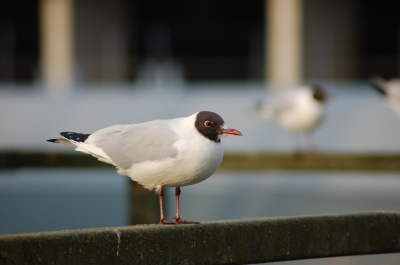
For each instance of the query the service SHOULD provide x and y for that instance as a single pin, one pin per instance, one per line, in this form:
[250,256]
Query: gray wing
[130,144]
[284,104]
[279,105]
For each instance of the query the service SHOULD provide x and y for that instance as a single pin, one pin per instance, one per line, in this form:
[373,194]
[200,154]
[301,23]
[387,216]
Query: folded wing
[126,145]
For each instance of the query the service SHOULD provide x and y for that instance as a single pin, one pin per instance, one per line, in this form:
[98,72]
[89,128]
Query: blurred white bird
[390,90]
[297,110]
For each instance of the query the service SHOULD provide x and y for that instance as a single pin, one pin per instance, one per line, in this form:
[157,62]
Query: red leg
[160,193]
[177,216]
[311,142]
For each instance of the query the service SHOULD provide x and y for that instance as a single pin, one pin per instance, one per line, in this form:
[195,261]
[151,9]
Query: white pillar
[284,49]
[56,45]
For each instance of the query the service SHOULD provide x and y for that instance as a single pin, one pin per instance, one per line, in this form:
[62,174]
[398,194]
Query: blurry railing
[240,241]
[231,161]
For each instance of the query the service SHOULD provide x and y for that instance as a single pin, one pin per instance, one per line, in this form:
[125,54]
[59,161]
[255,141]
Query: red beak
[230,131]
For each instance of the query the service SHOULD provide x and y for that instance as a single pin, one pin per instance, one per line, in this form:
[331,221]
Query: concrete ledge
[239,241]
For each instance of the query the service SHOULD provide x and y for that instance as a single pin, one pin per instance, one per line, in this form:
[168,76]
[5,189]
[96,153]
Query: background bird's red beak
[230,131]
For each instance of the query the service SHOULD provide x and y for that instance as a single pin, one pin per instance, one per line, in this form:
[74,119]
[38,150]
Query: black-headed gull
[297,110]
[390,90]
[159,153]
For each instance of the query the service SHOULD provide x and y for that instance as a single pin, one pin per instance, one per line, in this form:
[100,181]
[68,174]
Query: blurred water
[33,200]
[43,200]
[48,200]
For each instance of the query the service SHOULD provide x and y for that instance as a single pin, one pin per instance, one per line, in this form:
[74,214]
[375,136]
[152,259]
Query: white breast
[305,116]
[198,158]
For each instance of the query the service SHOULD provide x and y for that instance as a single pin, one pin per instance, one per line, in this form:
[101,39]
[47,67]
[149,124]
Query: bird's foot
[180,221]
[167,222]
[177,221]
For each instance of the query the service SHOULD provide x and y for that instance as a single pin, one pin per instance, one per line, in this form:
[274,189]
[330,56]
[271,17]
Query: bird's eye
[208,123]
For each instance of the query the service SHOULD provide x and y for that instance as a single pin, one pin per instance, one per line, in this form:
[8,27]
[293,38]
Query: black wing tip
[378,83]
[79,137]
[378,86]
[66,133]
[52,140]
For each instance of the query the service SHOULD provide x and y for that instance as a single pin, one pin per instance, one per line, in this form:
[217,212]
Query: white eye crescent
[208,123]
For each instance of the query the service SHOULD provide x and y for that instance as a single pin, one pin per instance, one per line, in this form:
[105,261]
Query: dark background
[203,29]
